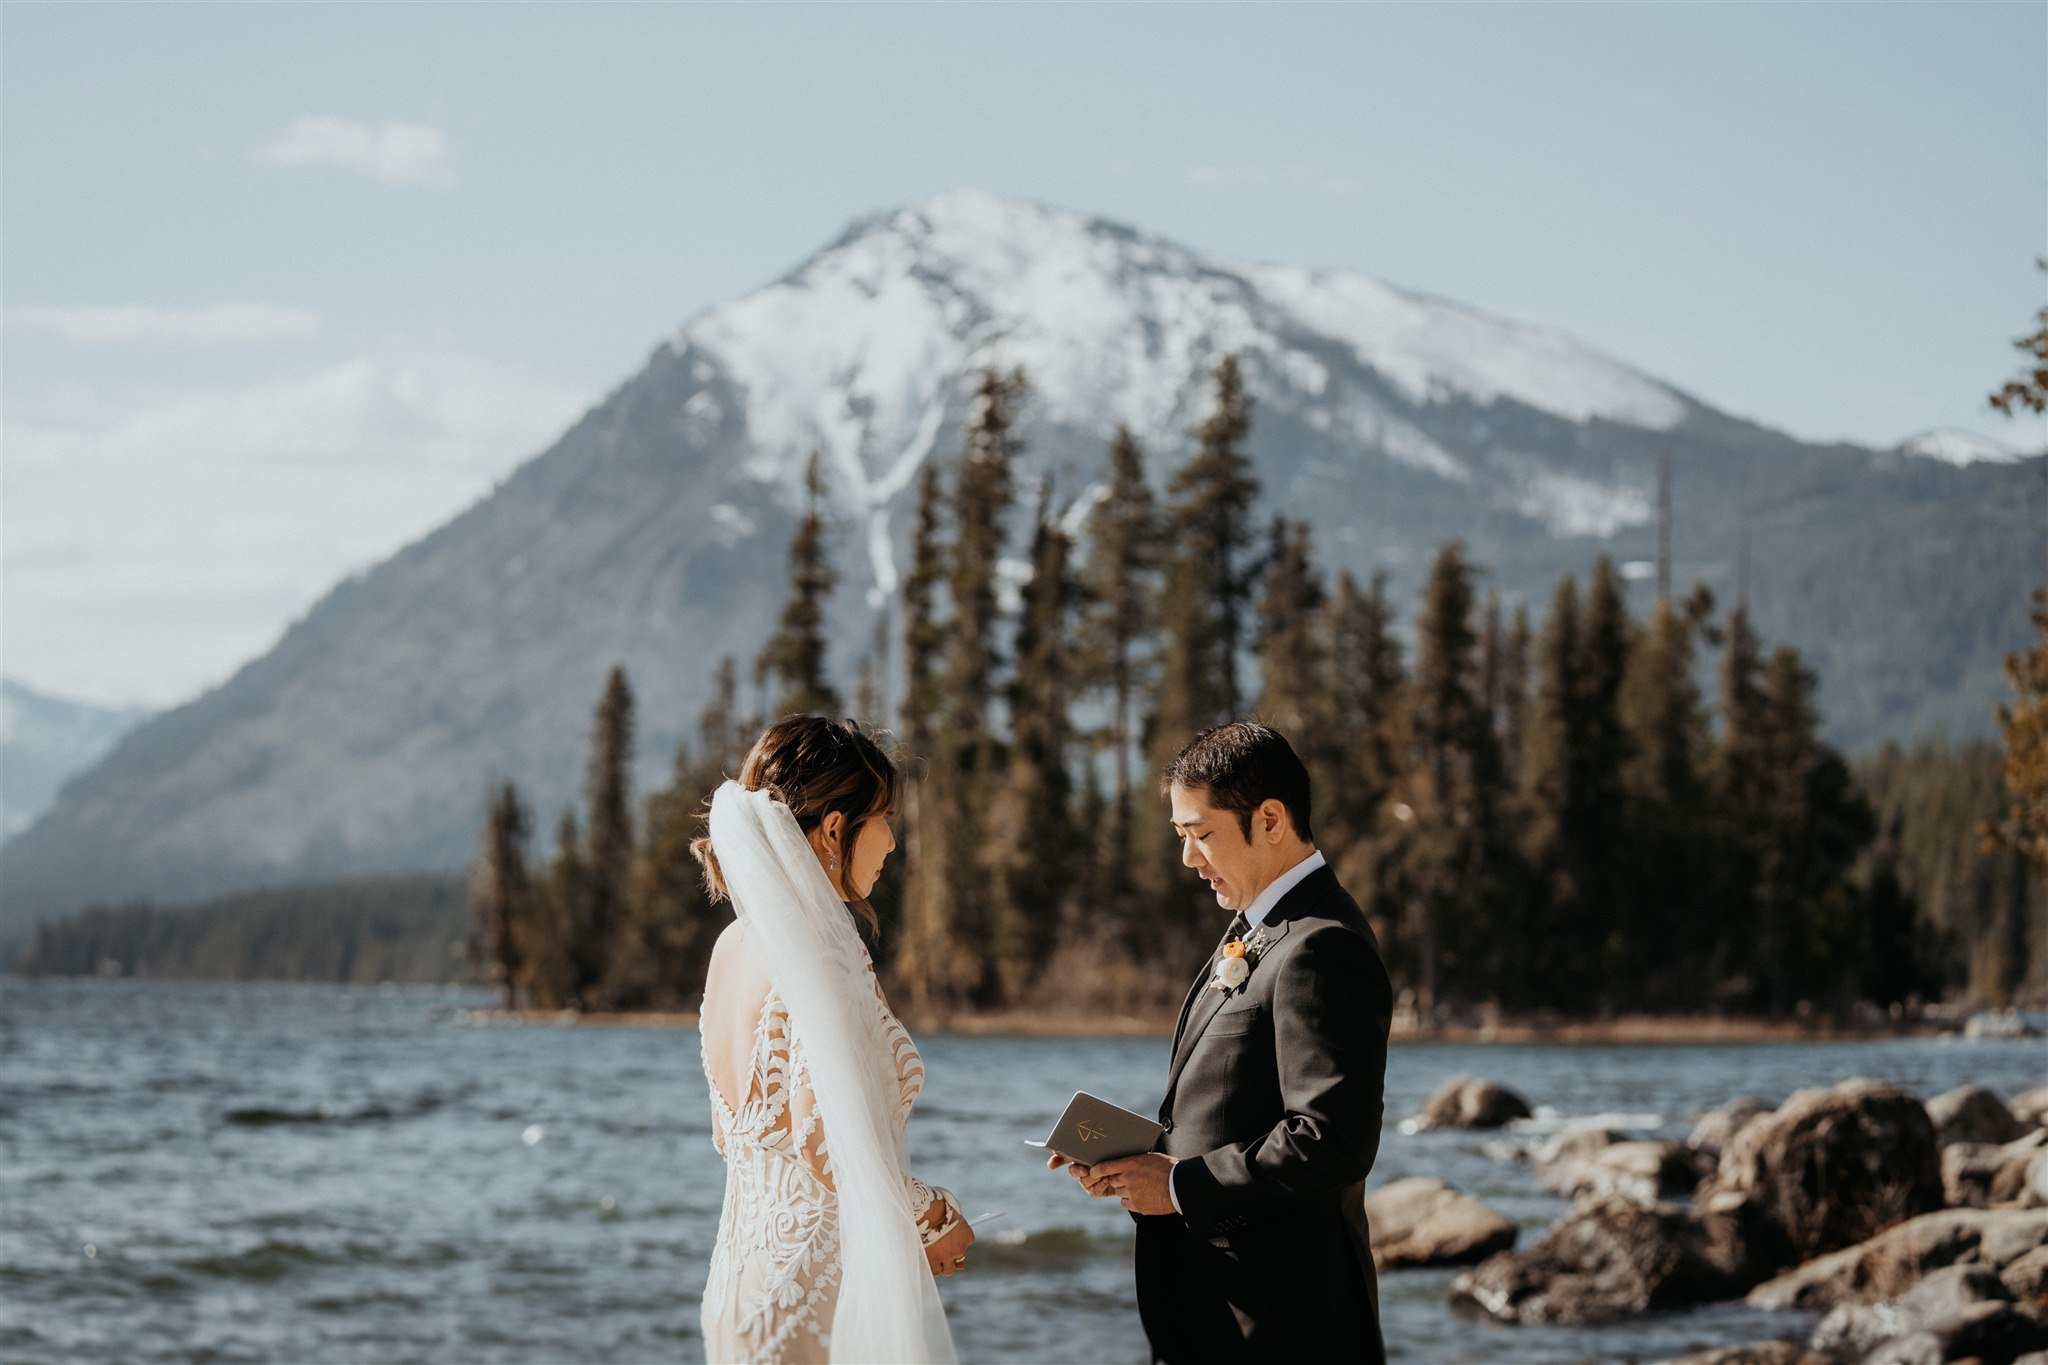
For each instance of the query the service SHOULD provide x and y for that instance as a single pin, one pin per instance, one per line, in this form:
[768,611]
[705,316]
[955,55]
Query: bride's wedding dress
[775,1272]
[821,1245]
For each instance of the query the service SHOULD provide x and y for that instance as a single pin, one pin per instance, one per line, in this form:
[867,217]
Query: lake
[313,1174]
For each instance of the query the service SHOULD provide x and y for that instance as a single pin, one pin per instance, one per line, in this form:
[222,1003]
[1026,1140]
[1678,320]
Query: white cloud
[395,153]
[213,324]
[1259,177]
[151,541]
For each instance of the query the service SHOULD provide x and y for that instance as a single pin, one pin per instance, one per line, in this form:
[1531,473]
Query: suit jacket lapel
[1196,1014]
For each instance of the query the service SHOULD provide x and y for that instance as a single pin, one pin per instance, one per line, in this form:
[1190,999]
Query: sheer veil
[889,1307]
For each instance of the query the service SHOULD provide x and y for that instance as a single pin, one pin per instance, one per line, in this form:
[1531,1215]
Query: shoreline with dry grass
[1675,1030]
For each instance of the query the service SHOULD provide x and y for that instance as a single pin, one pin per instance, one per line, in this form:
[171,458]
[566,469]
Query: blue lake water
[306,1174]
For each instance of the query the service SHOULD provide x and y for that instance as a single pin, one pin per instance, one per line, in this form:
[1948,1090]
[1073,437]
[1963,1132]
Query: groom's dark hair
[1242,765]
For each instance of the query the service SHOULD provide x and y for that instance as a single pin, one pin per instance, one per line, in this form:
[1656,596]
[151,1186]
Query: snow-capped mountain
[43,741]
[652,533]
[860,352]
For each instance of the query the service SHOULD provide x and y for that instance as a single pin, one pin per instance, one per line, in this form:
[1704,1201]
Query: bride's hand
[948,1255]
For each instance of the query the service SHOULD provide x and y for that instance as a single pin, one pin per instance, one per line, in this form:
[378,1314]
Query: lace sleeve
[933,1207]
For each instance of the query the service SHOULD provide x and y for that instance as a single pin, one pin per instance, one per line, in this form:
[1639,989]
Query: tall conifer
[608,792]
[1036,854]
[795,654]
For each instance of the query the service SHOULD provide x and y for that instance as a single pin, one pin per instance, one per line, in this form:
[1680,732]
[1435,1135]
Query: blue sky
[286,286]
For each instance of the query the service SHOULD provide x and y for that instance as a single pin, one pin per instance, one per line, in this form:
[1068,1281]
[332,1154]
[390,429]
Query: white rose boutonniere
[1234,968]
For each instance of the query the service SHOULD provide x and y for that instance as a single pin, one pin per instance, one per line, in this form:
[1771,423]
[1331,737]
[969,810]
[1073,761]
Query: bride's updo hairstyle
[815,766]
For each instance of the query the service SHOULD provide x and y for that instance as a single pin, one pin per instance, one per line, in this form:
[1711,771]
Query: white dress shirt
[1255,915]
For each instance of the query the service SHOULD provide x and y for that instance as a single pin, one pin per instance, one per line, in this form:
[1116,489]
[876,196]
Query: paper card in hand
[1095,1130]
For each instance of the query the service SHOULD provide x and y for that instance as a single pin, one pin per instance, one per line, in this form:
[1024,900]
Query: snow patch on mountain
[1572,505]
[1952,446]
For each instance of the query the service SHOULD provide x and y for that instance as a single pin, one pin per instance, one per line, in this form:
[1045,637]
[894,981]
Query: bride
[827,1245]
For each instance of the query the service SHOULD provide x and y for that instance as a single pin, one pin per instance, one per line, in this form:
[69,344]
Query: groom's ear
[1273,821]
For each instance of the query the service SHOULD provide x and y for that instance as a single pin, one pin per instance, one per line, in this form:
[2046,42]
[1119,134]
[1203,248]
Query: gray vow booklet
[1095,1130]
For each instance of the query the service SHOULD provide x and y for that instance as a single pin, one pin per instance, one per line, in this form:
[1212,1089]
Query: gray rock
[1420,1221]
[2008,1183]
[1645,1171]
[1941,1299]
[1471,1102]
[2031,1107]
[1611,1258]
[1981,1175]
[1972,1113]
[2026,1277]
[1718,1126]
[1988,1331]
[1832,1168]
[1891,1263]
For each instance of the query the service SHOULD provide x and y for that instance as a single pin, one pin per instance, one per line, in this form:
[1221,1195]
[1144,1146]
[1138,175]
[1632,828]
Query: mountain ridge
[652,531]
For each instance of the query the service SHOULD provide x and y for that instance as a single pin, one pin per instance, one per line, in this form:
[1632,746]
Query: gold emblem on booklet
[1092,1129]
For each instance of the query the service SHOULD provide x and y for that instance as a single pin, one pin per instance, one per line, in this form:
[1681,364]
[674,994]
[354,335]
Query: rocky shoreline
[1919,1230]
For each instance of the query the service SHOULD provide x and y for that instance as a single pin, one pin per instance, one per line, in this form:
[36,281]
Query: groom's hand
[1090,1179]
[1140,1181]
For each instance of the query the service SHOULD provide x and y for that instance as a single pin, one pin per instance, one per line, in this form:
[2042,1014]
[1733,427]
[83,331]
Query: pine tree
[1366,679]
[602,951]
[1119,584]
[1452,864]
[871,690]
[1668,850]
[2024,725]
[1556,937]
[1036,852]
[1514,696]
[1603,658]
[795,654]
[501,896]
[1815,825]
[1736,772]
[926,949]
[1212,529]
[558,972]
[967,754]
[1294,674]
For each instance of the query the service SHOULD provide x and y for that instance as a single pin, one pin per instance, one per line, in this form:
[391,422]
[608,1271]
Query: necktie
[1239,927]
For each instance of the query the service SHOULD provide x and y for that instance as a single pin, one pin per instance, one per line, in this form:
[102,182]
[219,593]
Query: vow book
[1093,1129]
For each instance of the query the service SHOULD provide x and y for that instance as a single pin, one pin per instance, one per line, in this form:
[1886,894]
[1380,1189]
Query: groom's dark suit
[1273,1107]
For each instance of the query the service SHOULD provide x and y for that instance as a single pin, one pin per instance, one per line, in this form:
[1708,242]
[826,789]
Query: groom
[1252,1241]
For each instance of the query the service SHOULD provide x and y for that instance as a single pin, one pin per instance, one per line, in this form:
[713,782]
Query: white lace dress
[775,1270]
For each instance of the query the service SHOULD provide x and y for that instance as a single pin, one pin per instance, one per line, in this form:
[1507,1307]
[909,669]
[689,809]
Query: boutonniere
[1234,968]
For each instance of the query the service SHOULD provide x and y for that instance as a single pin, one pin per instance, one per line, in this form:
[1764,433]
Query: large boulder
[1972,1113]
[1832,1168]
[1891,1263]
[1983,1332]
[1979,1175]
[1612,1258]
[1645,1171]
[1718,1126]
[1420,1221]
[2026,1277]
[1470,1102]
[1948,1296]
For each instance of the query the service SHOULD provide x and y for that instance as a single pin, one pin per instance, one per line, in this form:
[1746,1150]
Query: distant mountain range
[43,741]
[652,533]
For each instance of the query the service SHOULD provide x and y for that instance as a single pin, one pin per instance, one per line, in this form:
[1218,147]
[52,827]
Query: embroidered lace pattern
[775,1270]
